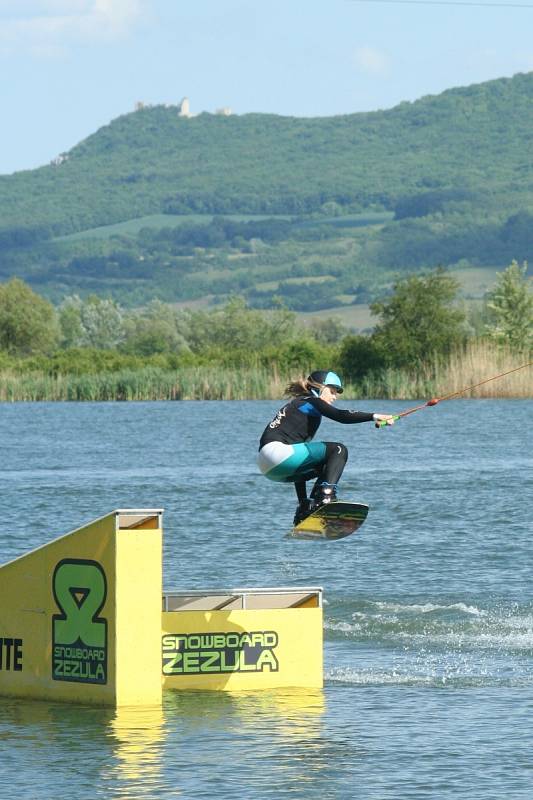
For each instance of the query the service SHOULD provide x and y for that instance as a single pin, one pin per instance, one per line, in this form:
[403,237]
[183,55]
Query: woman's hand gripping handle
[381,420]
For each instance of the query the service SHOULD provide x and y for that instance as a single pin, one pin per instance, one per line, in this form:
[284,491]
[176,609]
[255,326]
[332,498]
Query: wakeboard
[331,521]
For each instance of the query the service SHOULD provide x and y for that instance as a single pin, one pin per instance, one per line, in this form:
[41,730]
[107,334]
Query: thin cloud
[372,60]
[48,26]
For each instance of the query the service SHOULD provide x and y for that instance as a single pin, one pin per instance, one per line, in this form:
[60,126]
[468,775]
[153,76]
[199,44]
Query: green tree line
[420,321]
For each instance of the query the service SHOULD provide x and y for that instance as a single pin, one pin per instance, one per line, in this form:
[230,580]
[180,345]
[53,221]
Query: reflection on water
[135,737]
[233,740]
[292,712]
[193,739]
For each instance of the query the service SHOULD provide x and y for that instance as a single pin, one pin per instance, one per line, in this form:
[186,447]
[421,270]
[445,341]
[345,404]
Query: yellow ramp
[80,617]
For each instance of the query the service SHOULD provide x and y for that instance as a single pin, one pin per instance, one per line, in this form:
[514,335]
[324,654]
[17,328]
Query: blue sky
[67,67]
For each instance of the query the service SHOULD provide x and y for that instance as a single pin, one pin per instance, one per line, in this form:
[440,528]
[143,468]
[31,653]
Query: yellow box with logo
[242,639]
[84,619]
[80,616]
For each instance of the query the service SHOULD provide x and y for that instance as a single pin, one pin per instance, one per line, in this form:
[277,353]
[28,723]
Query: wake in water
[429,643]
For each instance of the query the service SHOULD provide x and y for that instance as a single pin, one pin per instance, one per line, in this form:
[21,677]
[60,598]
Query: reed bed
[480,360]
[192,383]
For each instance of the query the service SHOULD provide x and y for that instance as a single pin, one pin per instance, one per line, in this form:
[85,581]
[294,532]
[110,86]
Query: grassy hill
[133,211]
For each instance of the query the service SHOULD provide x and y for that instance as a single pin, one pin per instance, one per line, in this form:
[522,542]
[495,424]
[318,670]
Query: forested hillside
[317,212]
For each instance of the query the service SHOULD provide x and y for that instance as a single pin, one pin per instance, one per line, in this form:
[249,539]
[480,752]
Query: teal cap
[327,378]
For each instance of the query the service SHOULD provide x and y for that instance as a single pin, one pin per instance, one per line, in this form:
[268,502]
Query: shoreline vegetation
[425,344]
[476,362]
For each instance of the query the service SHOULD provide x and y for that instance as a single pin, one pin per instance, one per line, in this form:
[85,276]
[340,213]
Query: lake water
[428,609]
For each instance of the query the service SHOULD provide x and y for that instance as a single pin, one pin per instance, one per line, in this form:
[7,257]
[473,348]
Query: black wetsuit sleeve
[340,414]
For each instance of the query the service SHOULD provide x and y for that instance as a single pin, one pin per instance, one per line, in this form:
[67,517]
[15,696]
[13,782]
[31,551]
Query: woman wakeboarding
[286,453]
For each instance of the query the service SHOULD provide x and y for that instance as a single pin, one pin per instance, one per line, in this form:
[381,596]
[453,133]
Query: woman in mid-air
[286,452]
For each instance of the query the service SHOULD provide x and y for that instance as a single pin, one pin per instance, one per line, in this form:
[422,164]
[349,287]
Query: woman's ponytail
[303,387]
[297,388]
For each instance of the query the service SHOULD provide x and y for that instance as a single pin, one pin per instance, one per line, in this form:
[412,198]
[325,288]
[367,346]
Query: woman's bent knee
[337,450]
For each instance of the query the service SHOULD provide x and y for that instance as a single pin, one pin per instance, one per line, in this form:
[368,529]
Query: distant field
[475,281]
[271,286]
[354,317]
[272,270]
[202,304]
[353,220]
[132,226]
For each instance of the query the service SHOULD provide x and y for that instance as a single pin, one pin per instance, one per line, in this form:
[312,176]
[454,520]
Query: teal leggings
[305,462]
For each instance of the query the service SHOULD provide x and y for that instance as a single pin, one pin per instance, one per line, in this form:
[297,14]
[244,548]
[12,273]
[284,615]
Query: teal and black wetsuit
[286,452]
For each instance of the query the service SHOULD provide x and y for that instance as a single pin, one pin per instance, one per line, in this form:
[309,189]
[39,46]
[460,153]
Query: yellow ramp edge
[80,617]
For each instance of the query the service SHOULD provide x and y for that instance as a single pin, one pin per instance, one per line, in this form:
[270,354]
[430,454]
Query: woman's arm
[340,414]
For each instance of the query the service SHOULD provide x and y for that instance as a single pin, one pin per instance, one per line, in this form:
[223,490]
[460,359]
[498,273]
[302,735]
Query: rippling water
[428,610]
